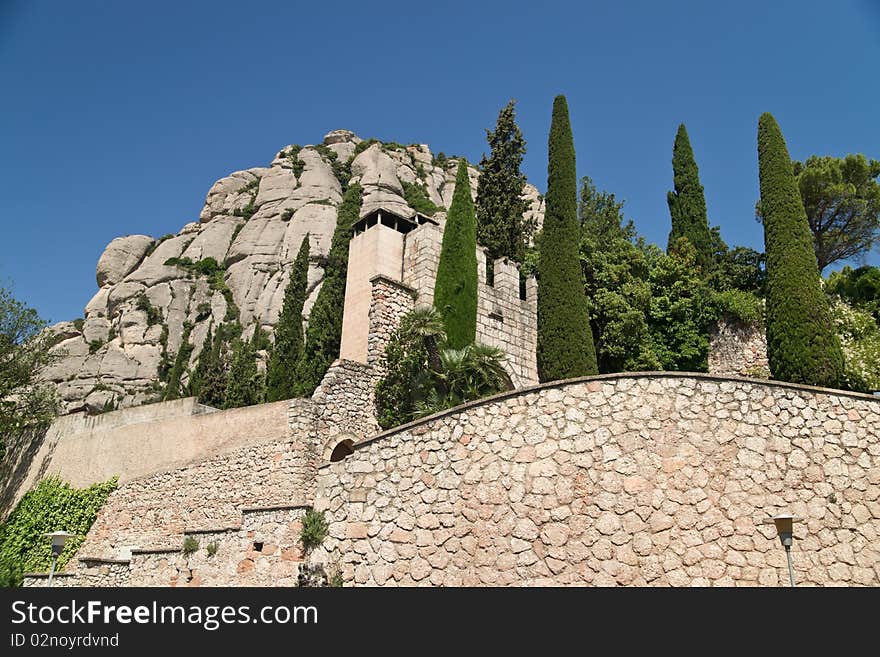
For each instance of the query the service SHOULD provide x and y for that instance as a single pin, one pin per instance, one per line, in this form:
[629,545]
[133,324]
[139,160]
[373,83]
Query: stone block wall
[264,550]
[738,349]
[651,479]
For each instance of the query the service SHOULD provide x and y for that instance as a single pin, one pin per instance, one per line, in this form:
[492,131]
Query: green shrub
[154,315]
[212,548]
[52,505]
[416,197]
[190,545]
[740,305]
[94,345]
[314,529]
[78,324]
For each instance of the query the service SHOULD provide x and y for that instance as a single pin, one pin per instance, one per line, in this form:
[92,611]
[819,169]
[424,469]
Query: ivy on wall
[52,505]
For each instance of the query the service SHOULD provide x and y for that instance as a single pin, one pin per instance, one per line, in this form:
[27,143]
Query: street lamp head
[59,538]
[784,527]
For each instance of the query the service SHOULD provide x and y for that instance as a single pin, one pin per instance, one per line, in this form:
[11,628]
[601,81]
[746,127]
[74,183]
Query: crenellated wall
[642,479]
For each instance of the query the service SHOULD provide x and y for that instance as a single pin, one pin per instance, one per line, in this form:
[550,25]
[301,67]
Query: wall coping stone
[509,394]
[155,551]
[218,530]
[387,279]
[103,560]
[46,575]
[281,507]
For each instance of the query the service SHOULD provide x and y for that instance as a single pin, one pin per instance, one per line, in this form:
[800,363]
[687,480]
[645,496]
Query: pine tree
[565,341]
[325,321]
[687,204]
[281,371]
[501,228]
[455,289]
[801,344]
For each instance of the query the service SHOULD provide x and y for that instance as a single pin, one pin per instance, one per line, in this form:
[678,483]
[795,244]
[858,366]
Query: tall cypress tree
[801,344]
[281,371]
[455,289]
[244,384]
[208,381]
[565,341]
[687,204]
[500,207]
[325,321]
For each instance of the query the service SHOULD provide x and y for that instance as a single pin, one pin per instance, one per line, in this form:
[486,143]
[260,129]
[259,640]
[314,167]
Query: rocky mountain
[155,295]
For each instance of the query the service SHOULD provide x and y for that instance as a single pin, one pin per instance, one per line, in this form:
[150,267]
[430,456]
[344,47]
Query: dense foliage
[282,367]
[501,227]
[325,321]
[455,289]
[859,336]
[687,204]
[245,384]
[841,198]
[24,351]
[424,375]
[859,287]
[51,506]
[801,344]
[565,342]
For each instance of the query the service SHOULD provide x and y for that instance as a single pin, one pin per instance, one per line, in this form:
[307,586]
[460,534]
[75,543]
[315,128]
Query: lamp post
[784,529]
[59,538]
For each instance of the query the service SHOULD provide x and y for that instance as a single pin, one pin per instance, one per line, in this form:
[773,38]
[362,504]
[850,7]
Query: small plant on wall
[314,529]
[212,548]
[190,545]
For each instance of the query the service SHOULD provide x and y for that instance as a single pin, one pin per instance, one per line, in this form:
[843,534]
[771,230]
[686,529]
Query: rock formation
[153,294]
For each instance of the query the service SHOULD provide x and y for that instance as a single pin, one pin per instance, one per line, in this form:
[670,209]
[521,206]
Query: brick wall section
[616,480]
[738,349]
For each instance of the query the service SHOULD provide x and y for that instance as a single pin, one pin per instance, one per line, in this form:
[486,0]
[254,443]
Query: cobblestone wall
[616,480]
[738,349]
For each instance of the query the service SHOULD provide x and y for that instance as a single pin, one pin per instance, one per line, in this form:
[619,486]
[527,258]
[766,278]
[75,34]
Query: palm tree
[426,323]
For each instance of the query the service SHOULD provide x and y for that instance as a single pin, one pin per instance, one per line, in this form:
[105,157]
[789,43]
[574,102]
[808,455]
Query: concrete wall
[135,442]
[655,479]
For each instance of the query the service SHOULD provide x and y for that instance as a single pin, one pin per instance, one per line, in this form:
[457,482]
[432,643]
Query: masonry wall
[134,442]
[657,479]
[738,349]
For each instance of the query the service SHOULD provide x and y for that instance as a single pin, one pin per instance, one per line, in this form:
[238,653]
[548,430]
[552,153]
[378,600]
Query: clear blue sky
[117,117]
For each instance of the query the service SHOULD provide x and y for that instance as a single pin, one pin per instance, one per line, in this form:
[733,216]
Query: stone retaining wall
[653,479]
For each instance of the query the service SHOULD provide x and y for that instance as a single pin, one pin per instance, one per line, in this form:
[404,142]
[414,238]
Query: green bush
[52,505]
[416,197]
[859,336]
[190,545]
[314,529]
[154,315]
[212,548]
[740,305]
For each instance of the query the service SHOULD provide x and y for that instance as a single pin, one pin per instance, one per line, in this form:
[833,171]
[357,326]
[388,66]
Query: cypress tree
[325,321]
[565,341]
[244,384]
[208,381]
[499,204]
[687,204]
[281,370]
[455,289]
[801,344]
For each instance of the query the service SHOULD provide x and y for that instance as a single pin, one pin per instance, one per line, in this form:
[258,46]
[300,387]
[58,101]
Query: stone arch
[338,447]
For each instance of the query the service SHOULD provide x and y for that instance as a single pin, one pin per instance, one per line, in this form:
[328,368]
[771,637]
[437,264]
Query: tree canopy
[501,227]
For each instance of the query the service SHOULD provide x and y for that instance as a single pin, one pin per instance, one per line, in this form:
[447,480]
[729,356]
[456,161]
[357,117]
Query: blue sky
[118,116]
